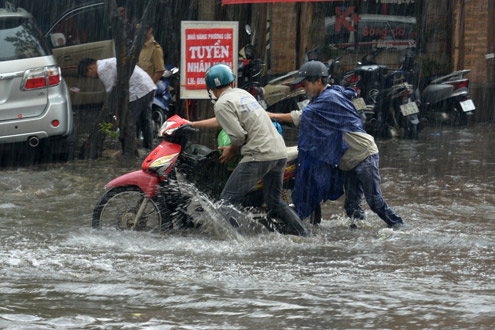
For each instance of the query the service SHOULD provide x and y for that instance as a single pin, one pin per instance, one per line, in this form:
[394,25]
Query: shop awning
[235,2]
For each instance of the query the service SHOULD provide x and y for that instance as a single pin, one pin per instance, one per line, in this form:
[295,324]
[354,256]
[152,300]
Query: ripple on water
[439,273]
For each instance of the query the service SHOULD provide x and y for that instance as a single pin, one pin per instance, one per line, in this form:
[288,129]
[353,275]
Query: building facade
[447,35]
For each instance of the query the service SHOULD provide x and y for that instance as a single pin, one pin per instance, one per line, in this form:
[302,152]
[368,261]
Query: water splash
[208,215]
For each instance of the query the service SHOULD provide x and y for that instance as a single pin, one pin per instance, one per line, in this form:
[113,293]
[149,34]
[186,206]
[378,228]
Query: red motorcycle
[151,199]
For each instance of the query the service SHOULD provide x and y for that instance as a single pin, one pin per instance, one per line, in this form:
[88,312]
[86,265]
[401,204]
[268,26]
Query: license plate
[467,105]
[302,104]
[359,103]
[409,109]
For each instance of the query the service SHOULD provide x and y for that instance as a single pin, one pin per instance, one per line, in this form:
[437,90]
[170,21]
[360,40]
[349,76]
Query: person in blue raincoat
[335,152]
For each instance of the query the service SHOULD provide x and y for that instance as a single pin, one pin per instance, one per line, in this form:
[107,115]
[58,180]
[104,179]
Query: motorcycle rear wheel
[410,130]
[458,118]
[413,131]
[118,207]
[314,218]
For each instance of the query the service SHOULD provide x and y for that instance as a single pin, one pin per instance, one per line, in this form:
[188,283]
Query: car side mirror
[58,40]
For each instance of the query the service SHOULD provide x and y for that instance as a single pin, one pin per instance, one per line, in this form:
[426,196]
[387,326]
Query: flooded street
[57,272]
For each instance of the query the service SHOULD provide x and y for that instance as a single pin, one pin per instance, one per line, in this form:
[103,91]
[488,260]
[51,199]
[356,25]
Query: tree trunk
[93,146]
[117,102]
[491,42]
[258,24]
[206,10]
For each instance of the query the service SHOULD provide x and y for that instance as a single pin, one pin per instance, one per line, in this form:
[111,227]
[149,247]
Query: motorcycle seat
[435,93]
[372,67]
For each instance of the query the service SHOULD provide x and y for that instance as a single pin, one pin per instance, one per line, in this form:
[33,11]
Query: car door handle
[67,57]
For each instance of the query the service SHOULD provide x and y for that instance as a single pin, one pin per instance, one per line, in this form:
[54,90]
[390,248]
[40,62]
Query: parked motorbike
[282,96]
[164,101]
[399,112]
[152,199]
[384,99]
[249,71]
[446,99]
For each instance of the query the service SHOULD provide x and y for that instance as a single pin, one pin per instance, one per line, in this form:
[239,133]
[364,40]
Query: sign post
[204,44]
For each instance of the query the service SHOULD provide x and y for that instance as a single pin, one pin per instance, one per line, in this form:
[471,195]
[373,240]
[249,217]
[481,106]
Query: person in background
[141,88]
[264,153]
[335,152]
[151,61]
[151,57]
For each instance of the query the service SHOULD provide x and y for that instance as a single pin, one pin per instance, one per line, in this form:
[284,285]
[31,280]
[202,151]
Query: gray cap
[311,69]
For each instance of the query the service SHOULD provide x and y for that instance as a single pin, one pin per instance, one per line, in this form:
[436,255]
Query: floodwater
[57,272]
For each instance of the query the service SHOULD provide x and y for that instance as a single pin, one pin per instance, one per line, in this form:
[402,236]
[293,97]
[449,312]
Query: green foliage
[106,128]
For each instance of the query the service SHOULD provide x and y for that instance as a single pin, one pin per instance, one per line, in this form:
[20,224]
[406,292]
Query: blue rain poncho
[321,145]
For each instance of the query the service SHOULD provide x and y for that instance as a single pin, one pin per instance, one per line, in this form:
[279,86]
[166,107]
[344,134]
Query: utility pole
[491,43]
[458,35]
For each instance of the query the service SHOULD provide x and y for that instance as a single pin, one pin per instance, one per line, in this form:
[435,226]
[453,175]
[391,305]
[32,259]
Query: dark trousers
[246,176]
[365,179]
[140,110]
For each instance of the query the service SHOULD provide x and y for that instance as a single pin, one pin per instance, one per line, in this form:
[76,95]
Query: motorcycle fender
[413,119]
[275,93]
[462,93]
[144,180]
[160,103]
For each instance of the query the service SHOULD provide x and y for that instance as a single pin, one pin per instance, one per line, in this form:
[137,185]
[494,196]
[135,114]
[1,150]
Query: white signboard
[204,44]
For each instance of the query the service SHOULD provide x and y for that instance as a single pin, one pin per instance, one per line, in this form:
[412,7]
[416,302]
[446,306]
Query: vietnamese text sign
[204,44]
[233,2]
[203,49]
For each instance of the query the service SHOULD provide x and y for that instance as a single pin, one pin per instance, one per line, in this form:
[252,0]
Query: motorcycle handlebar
[186,129]
[180,133]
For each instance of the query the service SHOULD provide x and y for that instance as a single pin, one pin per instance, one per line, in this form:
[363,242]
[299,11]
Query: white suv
[34,99]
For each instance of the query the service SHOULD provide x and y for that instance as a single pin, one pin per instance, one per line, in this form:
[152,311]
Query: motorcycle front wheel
[119,206]
[158,118]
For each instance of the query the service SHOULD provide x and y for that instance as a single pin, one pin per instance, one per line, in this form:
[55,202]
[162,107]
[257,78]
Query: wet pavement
[57,272]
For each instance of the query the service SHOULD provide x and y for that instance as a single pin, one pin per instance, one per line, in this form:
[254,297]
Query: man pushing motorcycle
[335,152]
[263,150]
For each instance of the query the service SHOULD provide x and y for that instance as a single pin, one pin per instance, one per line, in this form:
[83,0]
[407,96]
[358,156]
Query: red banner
[205,47]
[235,2]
